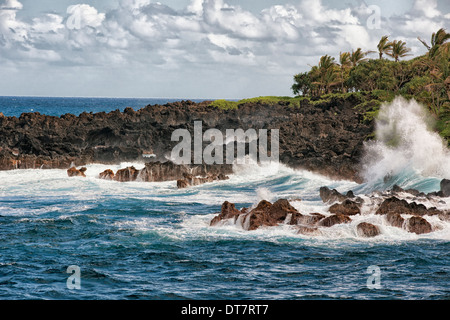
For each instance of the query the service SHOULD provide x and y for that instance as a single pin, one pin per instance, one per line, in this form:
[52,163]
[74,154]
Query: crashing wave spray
[405,145]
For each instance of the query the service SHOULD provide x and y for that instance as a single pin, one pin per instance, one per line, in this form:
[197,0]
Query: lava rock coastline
[326,138]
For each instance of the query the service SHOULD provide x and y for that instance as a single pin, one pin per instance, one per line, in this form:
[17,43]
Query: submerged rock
[309,231]
[395,219]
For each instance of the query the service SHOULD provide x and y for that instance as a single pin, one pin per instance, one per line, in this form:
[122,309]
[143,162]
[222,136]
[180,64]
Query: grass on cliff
[367,102]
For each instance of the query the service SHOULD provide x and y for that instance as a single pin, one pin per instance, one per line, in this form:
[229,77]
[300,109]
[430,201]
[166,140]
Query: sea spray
[405,147]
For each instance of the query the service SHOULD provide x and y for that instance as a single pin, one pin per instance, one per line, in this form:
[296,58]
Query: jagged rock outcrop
[266,214]
[409,216]
[185,175]
[443,192]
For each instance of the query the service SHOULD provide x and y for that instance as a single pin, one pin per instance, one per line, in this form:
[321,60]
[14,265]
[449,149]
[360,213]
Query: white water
[406,145]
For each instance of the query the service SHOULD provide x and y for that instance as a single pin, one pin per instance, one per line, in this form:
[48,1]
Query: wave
[407,151]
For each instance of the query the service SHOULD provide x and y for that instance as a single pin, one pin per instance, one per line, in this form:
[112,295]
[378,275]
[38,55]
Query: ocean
[138,240]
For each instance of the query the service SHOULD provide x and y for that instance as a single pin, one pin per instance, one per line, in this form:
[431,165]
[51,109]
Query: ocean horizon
[14,106]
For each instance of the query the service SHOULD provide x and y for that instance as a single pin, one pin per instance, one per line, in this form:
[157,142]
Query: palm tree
[324,74]
[398,50]
[346,65]
[358,56]
[437,39]
[344,59]
[384,46]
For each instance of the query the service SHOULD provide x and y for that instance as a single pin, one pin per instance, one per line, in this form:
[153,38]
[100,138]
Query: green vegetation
[224,104]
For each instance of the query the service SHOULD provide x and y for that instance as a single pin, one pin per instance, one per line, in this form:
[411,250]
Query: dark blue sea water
[152,241]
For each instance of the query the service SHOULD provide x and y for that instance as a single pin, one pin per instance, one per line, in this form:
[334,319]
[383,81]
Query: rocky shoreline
[326,138]
[395,206]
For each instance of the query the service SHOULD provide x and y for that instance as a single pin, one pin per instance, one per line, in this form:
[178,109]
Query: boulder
[258,217]
[74,172]
[334,219]
[347,207]
[418,225]
[367,230]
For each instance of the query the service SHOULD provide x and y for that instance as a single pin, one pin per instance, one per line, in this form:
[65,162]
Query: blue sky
[192,48]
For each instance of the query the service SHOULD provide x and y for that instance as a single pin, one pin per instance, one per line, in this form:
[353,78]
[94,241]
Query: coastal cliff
[326,137]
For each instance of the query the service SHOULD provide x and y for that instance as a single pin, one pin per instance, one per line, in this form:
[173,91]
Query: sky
[192,49]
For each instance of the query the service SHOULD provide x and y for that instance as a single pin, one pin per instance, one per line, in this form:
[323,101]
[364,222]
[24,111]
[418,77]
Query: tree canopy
[426,78]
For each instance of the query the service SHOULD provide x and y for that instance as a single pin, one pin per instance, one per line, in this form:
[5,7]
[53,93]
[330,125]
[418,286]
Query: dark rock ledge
[326,138]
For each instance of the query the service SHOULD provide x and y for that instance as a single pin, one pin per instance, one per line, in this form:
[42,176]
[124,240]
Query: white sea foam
[405,144]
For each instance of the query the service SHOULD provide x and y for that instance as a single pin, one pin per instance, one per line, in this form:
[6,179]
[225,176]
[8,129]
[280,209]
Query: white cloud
[83,15]
[209,35]
[363,40]
[11,5]
[428,7]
